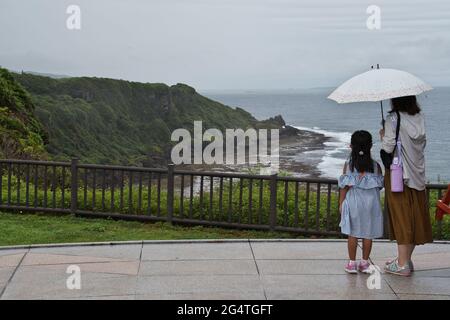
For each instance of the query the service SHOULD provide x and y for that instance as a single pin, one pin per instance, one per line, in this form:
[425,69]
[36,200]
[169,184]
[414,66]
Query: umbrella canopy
[378,85]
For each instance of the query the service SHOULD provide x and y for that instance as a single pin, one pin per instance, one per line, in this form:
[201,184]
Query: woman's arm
[388,136]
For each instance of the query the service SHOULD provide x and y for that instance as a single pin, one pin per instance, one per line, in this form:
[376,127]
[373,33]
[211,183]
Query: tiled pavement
[244,269]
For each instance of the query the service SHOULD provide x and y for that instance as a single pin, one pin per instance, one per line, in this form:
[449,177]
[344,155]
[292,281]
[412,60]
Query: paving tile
[419,285]
[311,267]
[389,249]
[126,267]
[10,260]
[423,297]
[443,273]
[339,295]
[5,274]
[424,261]
[384,250]
[199,284]
[432,248]
[46,258]
[198,267]
[123,252]
[288,270]
[106,297]
[196,251]
[8,252]
[300,250]
[86,263]
[334,285]
[49,282]
[431,261]
[204,296]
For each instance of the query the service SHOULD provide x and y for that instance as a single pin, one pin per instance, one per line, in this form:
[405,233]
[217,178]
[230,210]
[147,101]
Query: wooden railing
[306,206]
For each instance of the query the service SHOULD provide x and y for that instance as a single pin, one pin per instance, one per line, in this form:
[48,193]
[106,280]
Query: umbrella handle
[381,105]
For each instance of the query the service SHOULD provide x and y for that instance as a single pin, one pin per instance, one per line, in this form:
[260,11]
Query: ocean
[311,110]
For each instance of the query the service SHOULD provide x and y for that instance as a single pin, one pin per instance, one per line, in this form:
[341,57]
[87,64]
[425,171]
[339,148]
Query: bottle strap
[399,152]
[397,131]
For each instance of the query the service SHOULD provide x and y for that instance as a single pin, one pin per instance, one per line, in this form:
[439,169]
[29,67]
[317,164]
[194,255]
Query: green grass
[22,229]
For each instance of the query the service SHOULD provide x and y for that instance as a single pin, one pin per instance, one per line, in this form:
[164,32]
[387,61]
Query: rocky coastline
[294,161]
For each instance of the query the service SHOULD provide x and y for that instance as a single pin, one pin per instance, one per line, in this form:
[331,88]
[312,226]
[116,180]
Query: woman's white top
[413,139]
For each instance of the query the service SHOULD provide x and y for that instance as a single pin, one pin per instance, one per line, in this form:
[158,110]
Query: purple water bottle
[397,171]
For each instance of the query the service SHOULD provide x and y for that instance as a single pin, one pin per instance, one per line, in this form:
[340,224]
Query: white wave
[340,137]
[330,165]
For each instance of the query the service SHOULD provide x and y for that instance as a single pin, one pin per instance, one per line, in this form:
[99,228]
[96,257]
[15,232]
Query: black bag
[387,158]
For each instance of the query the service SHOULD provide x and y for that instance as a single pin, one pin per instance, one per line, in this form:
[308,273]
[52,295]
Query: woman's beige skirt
[409,217]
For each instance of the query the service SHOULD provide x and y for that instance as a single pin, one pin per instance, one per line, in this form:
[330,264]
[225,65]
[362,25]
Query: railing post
[74,186]
[170,191]
[273,201]
[439,229]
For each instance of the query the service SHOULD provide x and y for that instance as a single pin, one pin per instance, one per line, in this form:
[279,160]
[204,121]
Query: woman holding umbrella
[406,199]
[408,210]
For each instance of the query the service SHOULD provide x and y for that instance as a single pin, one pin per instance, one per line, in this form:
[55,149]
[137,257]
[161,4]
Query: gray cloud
[234,44]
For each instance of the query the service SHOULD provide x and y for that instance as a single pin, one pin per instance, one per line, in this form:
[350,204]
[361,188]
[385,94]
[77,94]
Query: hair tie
[361,153]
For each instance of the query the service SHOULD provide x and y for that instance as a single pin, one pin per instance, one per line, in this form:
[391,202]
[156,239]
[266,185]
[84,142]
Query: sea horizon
[310,110]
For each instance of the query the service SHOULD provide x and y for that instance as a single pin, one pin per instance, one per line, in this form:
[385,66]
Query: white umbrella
[378,85]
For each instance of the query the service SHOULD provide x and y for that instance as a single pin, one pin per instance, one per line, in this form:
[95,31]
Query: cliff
[114,121]
[21,133]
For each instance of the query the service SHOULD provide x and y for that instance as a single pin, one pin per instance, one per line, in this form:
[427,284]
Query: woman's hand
[381,134]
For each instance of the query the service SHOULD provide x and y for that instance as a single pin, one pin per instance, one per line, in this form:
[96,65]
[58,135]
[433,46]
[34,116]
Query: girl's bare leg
[367,248]
[352,244]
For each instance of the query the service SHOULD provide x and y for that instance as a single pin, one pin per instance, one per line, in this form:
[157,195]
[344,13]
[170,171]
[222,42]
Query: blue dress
[362,216]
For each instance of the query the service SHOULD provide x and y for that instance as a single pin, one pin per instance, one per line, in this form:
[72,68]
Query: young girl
[359,203]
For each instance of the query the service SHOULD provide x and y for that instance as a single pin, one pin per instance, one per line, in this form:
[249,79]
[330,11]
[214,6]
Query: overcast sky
[227,44]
